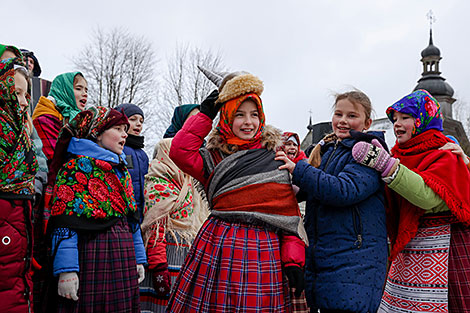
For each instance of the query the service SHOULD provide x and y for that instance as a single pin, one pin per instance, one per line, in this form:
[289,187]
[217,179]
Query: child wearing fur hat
[428,210]
[344,215]
[254,233]
[98,249]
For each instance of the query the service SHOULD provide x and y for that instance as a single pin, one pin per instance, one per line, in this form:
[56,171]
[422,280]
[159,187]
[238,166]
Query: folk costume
[95,232]
[428,214]
[175,209]
[18,166]
[236,261]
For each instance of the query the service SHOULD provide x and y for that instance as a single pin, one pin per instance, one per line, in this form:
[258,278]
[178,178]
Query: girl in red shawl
[254,233]
[428,211]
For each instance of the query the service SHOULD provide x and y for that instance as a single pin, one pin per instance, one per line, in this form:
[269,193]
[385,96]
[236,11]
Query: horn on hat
[213,76]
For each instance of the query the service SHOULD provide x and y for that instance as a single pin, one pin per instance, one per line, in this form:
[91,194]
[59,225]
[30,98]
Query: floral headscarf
[227,115]
[62,92]
[423,107]
[18,164]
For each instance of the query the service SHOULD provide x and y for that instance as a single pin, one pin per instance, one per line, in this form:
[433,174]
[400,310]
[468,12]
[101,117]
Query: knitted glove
[209,107]
[68,285]
[140,272]
[374,156]
[295,276]
[161,283]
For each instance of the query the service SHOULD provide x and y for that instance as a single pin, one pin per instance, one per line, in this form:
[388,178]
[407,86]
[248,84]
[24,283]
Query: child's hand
[281,156]
[374,156]
[455,148]
[209,106]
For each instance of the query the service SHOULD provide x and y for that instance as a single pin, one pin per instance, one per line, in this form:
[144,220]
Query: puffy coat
[138,166]
[16,245]
[345,224]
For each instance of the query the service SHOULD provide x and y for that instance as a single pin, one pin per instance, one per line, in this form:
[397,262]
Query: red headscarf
[300,154]
[227,115]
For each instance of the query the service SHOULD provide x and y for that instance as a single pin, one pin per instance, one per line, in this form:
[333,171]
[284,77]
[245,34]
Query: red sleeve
[156,250]
[48,128]
[185,146]
[292,250]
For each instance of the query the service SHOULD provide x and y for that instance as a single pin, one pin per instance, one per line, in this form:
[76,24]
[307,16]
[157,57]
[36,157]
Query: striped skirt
[231,267]
[176,254]
[108,274]
[432,273]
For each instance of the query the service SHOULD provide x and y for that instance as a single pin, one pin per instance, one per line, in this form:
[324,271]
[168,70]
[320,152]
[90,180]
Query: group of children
[382,232]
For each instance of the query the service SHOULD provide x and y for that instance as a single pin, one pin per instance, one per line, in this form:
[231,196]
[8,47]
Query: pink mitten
[373,155]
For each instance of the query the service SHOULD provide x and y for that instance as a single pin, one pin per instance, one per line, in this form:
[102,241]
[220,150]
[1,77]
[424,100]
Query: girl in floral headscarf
[96,239]
[18,167]
[428,210]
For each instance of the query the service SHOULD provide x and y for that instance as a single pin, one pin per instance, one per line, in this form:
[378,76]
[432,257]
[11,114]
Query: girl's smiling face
[349,116]
[403,125]
[135,124]
[113,138]
[246,120]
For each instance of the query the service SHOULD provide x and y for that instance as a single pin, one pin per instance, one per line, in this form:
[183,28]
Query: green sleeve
[412,187]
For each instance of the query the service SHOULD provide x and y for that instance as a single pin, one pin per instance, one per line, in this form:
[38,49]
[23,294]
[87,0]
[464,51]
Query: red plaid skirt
[459,269]
[231,267]
[108,273]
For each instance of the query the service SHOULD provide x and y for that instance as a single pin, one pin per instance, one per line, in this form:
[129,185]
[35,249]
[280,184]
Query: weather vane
[431,17]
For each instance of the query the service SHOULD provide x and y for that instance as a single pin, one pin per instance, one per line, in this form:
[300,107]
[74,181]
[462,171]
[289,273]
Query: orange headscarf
[227,115]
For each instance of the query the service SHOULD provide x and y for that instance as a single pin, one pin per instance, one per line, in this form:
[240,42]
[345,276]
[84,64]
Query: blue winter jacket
[138,166]
[345,223]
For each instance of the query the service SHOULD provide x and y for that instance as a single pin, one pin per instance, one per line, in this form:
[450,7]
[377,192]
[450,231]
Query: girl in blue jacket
[344,217]
[137,159]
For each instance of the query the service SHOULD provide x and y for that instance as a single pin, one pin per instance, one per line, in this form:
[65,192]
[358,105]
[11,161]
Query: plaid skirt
[459,269]
[108,273]
[231,267]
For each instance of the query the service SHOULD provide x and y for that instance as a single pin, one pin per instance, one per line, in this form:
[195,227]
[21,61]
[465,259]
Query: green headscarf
[17,51]
[62,91]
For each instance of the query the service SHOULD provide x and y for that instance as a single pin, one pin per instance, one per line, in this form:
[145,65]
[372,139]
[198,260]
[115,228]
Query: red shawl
[442,171]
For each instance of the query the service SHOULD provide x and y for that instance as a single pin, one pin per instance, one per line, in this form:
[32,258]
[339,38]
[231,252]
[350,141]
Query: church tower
[431,79]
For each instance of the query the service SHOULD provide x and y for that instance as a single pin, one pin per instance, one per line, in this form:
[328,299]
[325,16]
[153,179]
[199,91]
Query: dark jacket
[345,224]
[138,166]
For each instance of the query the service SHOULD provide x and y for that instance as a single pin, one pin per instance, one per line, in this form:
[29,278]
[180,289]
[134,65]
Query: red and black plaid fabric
[232,267]
[459,269]
[108,273]
[299,304]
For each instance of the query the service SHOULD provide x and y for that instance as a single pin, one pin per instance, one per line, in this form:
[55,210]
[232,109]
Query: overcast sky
[303,50]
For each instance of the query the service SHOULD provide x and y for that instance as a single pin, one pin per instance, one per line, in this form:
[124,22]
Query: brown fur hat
[239,83]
